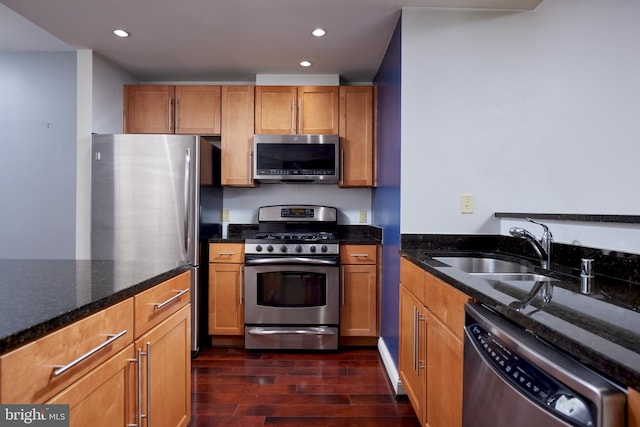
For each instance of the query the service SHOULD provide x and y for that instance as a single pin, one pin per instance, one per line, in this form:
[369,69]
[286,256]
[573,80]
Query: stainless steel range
[292,284]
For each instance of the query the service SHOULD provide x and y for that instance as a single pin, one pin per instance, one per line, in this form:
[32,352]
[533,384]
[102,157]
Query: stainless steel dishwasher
[512,378]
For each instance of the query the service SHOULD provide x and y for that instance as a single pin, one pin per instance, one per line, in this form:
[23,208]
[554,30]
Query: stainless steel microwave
[296,158]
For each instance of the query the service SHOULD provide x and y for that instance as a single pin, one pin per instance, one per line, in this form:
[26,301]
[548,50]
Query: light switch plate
[363,216]
[466,203]
[225,214]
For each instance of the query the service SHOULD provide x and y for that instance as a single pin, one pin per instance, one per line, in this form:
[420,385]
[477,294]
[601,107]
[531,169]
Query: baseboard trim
[390,367]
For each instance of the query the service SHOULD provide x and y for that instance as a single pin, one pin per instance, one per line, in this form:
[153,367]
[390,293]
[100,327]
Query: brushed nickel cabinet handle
[159,305]
[148,353]
[61,369]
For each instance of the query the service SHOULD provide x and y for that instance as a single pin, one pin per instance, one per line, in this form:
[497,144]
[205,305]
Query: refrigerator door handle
[187,186]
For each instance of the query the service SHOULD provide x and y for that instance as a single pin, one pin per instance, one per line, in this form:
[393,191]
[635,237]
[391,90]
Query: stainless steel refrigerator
[147,202]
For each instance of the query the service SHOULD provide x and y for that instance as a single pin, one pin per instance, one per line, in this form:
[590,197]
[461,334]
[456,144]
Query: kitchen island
[40,296]
[78,333]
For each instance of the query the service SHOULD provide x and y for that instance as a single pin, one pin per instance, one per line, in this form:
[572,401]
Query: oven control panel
[291,249]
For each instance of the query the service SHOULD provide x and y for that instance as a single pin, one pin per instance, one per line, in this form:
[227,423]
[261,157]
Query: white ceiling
[220,40]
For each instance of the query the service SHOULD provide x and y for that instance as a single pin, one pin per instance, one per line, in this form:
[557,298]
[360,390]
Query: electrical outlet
[466,203]
[225,214]
[363,216]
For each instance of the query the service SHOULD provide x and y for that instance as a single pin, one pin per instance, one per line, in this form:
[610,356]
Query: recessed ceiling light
[121,33]
[318,32]
[305,63]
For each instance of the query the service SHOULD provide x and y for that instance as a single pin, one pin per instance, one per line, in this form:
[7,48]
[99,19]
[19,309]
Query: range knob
[269,248]
[283,248]
[312,249]
[324,248]
[299,248]
[259,248]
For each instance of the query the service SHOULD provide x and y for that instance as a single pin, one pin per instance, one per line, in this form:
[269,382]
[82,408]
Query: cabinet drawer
[412,278]
[446,302]
[226,252]
[156,304]
[78,348]
[358,254]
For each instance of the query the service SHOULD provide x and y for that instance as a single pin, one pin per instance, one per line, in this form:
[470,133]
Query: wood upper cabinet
[186,109]
[357,136]
[296,110]
[226,289]
[197,110]
[148,108]
[237,135]
[359,293]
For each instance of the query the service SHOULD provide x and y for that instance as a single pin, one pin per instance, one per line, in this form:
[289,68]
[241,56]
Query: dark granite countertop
[40,296]
[602,330]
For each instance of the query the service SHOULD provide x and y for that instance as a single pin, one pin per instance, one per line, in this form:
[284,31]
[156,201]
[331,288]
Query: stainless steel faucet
[542,246]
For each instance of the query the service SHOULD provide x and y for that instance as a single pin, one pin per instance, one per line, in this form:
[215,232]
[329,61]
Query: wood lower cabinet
[166,355]
[359,299]
[110,387]
[442,307]
[357,143]
[296,110]
[32,374]
[187,109]
[633,407]
[444,375]
[226,289]
[237,135]
[412,351]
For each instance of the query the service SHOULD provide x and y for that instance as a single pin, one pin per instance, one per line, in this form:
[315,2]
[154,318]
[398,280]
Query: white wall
[529,111]
[37,155]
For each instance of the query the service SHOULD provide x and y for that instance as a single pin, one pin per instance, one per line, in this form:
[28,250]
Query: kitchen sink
[531,277]
[484,265]
[494,269]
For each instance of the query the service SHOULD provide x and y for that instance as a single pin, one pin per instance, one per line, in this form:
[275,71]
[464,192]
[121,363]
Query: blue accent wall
[386,197]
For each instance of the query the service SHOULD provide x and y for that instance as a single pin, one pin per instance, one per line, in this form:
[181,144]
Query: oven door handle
[307,331]
[292,260]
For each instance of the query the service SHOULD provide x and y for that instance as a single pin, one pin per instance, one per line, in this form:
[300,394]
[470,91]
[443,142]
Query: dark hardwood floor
[236,387]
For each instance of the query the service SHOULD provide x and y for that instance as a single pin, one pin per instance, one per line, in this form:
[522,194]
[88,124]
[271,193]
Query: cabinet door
[356,136]
[109,389]
[633,407]
[166,391]
[359,302]
[198,110]
[412,351]
[444,372]
[237,135]
[318,110]
[148,108]
[276,110]
[226,308]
